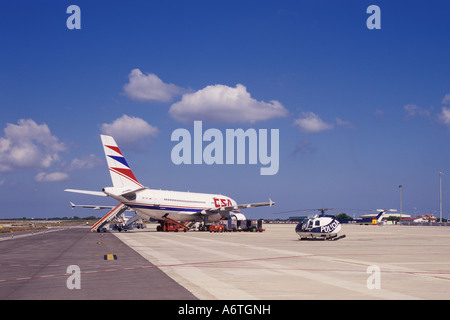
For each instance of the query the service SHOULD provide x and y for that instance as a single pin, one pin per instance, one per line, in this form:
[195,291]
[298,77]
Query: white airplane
[158,204]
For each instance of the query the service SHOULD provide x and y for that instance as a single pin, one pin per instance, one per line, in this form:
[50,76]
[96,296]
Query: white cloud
[86,162]
[344,123]
[444,116]
[149,87]
[378,113]
[311,123]
[28,145]
[129,129]
[51,177]
[446,99]
[221,103]
[414,110]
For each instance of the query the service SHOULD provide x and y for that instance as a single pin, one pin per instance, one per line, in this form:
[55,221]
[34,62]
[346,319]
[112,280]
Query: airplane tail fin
[380,216]
[121,174]
[382,213]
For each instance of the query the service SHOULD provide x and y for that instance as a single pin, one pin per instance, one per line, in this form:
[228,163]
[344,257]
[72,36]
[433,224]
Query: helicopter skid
[333,237]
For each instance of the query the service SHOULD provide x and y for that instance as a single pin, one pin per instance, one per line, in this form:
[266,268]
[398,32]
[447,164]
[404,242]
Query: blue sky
[360,111]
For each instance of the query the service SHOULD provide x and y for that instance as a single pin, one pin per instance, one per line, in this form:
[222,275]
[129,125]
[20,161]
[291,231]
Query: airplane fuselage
[153,203]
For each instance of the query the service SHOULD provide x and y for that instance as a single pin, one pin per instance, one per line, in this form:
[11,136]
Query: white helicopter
[319,227]
[325,227]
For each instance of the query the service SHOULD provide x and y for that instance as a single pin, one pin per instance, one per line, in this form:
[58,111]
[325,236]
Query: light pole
[401,211]
[440,195]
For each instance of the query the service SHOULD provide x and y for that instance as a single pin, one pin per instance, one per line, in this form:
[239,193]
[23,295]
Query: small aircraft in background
[374,219]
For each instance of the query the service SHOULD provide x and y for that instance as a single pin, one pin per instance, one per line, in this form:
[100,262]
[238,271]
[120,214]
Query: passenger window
[317,223]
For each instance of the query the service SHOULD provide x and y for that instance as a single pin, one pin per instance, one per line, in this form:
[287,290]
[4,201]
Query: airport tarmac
[413,263]
[372,262]
[35,266]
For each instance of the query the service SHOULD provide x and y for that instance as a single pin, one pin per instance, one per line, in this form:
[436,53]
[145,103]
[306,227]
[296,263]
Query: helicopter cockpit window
[305,224]
[310,224]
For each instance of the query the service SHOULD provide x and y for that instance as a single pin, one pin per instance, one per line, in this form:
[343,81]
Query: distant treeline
[54,218]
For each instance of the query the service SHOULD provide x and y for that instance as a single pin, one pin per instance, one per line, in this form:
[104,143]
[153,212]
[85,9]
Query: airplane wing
[94,193]
[95,207]
[236,207]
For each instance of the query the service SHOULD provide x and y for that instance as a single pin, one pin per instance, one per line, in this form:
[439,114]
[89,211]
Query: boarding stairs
[114,213]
